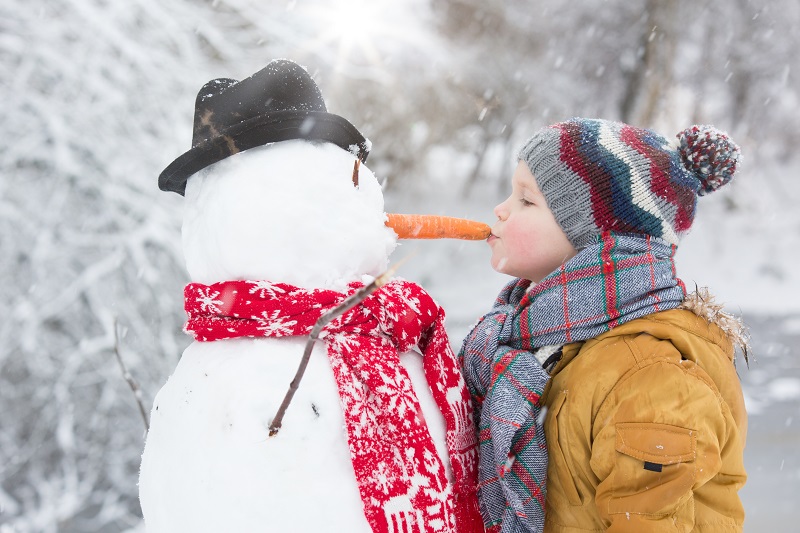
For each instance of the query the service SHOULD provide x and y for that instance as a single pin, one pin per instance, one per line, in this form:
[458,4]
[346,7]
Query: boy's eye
[525,202]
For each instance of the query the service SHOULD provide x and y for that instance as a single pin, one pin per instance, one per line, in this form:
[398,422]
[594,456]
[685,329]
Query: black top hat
[278,103]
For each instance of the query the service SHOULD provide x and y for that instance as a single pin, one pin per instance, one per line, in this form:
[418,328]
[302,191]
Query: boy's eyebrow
[528,184]
[524,181]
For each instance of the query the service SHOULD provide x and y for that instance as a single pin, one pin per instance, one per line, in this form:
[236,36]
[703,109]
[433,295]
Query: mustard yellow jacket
[646,428]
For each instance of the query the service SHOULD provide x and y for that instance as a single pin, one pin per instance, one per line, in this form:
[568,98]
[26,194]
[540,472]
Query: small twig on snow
[137,392]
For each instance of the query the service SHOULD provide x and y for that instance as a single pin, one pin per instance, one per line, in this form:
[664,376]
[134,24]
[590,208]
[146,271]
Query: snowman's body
[287,212]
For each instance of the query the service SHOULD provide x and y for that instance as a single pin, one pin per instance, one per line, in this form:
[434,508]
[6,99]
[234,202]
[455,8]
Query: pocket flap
[656,443]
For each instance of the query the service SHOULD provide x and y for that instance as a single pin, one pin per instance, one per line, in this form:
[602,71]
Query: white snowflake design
[399,392]
[403,292]
[356,399]
[264,287]
[382,477]
[435,359]
[342,342]
[274,325]
[207,301]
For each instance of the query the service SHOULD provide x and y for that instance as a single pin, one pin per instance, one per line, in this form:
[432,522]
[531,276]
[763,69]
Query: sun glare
[353,22]
[352,29]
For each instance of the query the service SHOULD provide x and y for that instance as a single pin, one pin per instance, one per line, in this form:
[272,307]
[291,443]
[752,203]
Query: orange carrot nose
[437,227]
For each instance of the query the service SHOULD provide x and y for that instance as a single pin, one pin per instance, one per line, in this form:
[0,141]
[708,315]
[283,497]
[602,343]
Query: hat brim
[258,131]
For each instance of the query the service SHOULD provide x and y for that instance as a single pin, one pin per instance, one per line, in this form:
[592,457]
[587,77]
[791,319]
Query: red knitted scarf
[401,479]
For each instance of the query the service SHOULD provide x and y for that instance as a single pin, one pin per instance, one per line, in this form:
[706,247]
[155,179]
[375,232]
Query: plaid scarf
[401,479]
[615,280]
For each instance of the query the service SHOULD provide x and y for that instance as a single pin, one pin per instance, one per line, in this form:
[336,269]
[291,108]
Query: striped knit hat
[598,175]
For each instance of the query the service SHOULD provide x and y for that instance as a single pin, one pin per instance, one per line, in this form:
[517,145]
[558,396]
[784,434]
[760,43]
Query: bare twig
[356,298]
[137,392]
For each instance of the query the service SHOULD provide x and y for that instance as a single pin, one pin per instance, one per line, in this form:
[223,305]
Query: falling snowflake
[207,301]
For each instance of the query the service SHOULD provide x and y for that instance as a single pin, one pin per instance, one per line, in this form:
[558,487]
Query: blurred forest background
[98,98]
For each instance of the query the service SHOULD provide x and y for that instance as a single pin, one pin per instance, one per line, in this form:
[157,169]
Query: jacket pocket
[560,476]
[654,469]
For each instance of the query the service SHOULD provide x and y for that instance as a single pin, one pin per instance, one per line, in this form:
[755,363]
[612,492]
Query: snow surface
[286,212]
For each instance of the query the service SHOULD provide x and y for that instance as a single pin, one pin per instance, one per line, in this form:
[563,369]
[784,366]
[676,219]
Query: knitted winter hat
[598,175]
[280,102]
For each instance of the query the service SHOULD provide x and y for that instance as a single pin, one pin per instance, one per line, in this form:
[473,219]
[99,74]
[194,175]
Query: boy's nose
[501,211]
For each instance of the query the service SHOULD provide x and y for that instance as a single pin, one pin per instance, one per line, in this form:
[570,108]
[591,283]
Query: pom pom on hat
[710,155]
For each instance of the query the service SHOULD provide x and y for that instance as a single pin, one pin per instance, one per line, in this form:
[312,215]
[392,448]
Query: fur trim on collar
[701,302]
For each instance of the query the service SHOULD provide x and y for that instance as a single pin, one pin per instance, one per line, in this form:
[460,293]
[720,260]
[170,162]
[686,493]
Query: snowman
[282,224]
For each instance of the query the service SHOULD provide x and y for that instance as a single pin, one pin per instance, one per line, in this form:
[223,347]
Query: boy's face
[526,241]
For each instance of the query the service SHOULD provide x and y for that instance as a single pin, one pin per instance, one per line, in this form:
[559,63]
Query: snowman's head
[286,212]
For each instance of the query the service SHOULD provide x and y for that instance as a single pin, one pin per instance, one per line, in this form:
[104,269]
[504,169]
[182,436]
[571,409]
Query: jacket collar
[698,322]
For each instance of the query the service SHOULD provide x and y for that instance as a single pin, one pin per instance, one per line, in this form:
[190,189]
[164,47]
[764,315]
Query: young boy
[597,348]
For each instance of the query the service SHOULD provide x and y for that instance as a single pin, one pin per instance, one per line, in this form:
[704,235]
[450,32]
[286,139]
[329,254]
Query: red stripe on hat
[594,176]
[661,183]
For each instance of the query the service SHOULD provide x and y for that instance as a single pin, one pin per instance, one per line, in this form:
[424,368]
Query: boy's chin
[501,266]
